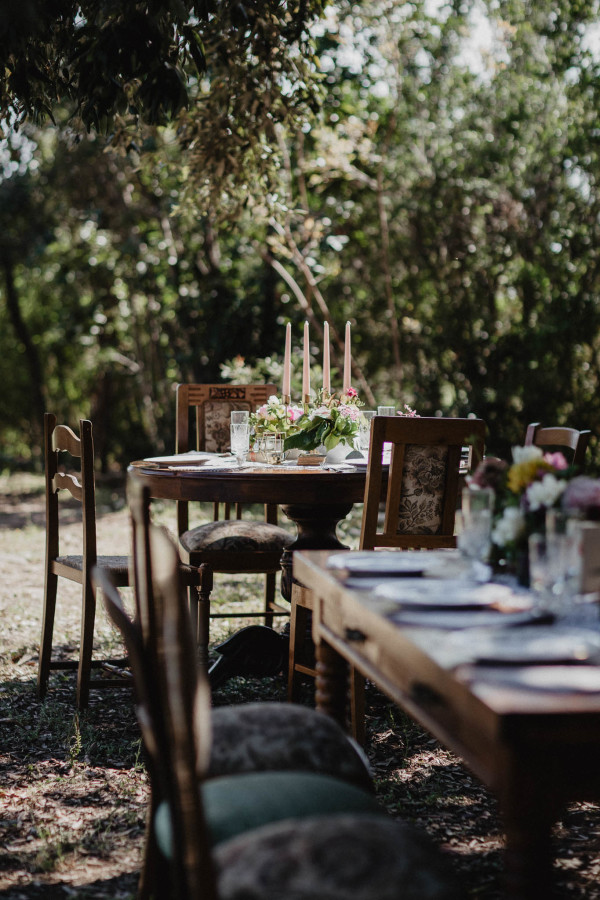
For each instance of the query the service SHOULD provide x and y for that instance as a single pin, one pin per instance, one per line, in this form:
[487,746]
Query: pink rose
[556,460]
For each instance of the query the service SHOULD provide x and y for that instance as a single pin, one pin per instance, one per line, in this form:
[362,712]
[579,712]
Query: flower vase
[337,454]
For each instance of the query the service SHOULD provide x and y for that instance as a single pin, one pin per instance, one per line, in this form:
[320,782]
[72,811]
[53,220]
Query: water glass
[240,417]
[386,410]
[364,429]
[240,440]
[475,539]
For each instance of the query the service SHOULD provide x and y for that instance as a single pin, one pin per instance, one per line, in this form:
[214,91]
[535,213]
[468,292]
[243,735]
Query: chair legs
[199,600]
[50,591]
[88,618]
[302,604]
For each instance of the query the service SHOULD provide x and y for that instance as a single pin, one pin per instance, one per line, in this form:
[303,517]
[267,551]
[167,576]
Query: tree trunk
[32,358]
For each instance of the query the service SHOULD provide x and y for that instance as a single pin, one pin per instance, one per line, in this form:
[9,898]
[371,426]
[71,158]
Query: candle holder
[306,402]
[287,400]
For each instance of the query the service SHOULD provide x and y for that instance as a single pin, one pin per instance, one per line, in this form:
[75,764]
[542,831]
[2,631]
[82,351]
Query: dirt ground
[73,788]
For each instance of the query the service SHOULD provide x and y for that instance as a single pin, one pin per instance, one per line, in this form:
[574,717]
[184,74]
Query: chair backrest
[423,481]
[559,437]
[172,696]
[212,405]
[209,407]
[60,443]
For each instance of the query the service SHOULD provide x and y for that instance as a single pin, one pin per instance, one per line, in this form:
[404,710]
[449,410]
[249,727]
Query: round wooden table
[315,499]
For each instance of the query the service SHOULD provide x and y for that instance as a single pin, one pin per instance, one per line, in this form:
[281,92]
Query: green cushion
[234,804]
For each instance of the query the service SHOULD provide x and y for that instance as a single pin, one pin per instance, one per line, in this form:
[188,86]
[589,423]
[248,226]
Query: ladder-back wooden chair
[61,447]
[229,544]
[291,830]
[421,498]
[559,437]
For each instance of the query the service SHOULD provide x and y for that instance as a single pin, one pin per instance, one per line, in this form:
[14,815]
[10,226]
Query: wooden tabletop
[536,749]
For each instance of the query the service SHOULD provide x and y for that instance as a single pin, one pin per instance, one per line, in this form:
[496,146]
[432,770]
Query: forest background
[439,190]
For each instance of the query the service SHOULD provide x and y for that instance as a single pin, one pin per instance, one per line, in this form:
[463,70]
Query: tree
[230,69]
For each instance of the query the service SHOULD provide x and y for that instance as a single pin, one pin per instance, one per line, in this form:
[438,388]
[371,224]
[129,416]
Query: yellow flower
[520,475]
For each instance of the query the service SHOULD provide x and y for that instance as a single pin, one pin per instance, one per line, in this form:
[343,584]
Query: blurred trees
[445,201]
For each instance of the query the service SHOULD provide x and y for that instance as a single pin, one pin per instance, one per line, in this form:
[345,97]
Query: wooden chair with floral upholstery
[421,497]
[559,437]
[228,544]
[290,813]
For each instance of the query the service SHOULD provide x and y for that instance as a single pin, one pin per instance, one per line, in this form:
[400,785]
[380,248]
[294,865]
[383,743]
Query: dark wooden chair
[558,437]
[63,449]
[252,831]
[421,497]
[229,544]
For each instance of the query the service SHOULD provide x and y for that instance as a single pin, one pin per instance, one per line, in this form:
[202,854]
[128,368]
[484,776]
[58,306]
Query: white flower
[509,527]
[525,454]
[544,493]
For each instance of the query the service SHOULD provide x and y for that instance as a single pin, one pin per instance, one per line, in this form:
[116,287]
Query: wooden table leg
[316,531]
[332,683]
[529,809]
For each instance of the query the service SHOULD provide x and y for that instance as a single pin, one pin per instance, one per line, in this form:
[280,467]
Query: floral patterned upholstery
[217,414]
[422,489]
[236,535]
[342,857]
[258,737]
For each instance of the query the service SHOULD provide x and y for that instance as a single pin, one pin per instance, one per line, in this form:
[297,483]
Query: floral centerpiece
[525,490]
[274,417]
[332,420]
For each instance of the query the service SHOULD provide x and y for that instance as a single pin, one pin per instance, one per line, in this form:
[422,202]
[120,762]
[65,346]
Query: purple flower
[583,494]
[491,472]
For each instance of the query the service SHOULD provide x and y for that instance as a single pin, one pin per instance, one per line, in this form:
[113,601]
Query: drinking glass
[364,429]
[240,417]
[240,440]
[475,539]
[386,410]
[540,576]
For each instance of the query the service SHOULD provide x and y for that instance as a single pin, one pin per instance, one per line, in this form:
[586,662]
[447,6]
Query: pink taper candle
[347,363]
[326,367]
[306,367]
[287,364]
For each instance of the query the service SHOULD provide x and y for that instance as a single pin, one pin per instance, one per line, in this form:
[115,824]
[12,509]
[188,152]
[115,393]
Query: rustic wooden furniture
[227,544]
[259,833]
[420,492]
[423,480]
[61,446]
[559,437]
[536,750]
[314,499]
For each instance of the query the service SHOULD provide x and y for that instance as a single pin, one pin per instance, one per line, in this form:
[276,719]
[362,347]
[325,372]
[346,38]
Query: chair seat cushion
[236,535]
[341,857]
[118,565]
[234,804]
[258,737]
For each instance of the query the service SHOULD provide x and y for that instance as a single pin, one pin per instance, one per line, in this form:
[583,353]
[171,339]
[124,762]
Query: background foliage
[444,199]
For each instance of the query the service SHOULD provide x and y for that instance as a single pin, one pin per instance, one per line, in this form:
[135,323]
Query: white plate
[556,679]
[369,563]
[457,618]
[195,458]
[447,594]
[530,646]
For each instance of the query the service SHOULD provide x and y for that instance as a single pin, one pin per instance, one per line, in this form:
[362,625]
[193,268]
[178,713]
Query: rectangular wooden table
[536,750]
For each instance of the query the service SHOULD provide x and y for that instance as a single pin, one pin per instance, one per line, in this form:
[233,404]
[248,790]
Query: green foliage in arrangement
[444,199]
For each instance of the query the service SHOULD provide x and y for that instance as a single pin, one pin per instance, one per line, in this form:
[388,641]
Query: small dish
[369,563]
[195,458]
